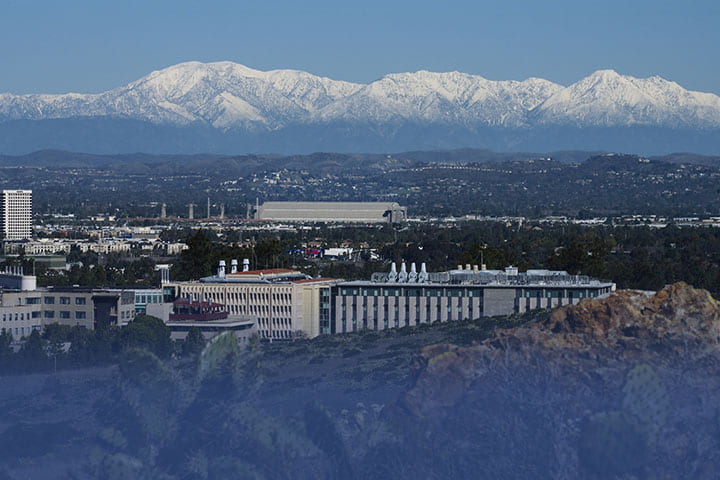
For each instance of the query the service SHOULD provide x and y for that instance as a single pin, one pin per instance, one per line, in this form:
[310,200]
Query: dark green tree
[196,261]
[6,351]
[194,342]
[146,332]
[32,355]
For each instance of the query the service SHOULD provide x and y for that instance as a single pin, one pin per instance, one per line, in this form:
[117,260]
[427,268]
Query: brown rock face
[678,310]
[626,327]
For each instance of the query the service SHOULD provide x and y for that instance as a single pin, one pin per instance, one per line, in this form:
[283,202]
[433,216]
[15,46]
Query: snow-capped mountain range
[226,107]
[229,95]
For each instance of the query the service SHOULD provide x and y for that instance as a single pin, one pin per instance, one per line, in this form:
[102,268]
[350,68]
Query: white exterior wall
[19,320]
[16,214]
[280,310]
[485,301]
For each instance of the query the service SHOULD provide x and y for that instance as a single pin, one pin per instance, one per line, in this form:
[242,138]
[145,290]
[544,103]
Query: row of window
[20,316]
[276,322]
[64,314]
[410,292]
[558,293]
[62,300]
[275,334]
[145,299]
[21,331]
[432,313]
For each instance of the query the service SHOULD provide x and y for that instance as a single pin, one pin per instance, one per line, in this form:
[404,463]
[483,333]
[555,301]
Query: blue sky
[91,46]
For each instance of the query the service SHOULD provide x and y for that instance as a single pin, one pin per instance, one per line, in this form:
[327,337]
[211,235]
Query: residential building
[40,247]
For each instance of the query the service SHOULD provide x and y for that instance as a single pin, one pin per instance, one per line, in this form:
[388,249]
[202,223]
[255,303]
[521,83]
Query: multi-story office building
[87,307]
[24,308]
[16,214]
[399,299]
[284,303]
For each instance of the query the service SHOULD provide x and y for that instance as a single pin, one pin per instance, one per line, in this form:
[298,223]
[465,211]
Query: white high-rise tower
[16,214]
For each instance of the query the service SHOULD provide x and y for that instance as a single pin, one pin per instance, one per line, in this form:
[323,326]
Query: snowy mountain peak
[606,98]
[448,97]
[228,95]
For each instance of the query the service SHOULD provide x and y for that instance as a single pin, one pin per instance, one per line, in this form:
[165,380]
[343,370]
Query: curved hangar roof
[331,211]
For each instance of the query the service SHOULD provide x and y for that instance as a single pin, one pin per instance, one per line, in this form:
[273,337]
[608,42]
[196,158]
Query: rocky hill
[620,387]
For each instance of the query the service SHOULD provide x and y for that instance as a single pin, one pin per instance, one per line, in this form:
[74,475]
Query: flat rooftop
[510,277]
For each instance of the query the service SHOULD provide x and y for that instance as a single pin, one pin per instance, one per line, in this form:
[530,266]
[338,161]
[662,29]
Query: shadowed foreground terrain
[623,387]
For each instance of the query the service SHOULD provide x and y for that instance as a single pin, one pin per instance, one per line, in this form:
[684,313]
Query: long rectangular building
[360,212]
[399,299]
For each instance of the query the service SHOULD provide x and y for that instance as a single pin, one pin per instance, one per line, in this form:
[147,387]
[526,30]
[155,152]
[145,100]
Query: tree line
[67,347]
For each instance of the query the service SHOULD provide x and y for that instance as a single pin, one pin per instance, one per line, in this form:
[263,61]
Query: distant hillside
[64,158]
[452,183]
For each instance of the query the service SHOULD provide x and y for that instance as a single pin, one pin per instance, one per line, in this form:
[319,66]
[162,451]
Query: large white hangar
[360,212]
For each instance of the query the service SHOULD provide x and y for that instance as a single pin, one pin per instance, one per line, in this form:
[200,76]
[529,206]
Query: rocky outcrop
[620,387]
[677,311]
[596,337]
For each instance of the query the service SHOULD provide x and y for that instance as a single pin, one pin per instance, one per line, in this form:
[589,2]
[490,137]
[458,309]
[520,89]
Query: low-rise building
[37,247]
[284,303]
[210,319]
[24,307]
[407,298]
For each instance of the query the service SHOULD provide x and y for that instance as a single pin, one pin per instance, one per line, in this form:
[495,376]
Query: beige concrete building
[19,316]
[24,308]
[400,299]
[87,307]
[283,303]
